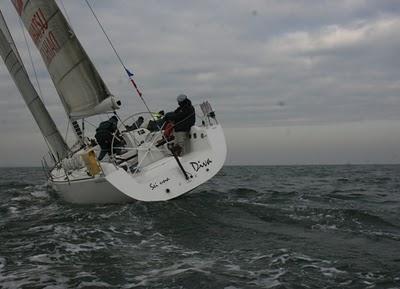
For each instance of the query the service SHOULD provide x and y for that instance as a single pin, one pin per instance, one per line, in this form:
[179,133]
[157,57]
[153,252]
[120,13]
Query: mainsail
[14,64]
[77,81]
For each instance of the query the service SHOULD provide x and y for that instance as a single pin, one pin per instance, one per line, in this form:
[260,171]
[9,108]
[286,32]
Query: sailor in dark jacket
[105,134]
[136,124]
[184,118]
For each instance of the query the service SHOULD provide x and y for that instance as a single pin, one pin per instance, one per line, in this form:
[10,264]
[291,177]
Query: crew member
[105,134]
[136,124]
[157,122]
[184,118]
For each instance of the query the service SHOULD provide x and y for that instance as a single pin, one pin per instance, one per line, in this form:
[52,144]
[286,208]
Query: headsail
[77,81]
[14,64]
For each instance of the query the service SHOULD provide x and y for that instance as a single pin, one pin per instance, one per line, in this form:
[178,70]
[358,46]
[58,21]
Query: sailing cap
[114,118]
[181,97]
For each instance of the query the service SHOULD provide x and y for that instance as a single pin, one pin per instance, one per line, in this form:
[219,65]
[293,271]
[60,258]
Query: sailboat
[146,168]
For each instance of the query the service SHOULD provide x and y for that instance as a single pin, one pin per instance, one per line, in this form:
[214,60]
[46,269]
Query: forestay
[77,81]
[14,64]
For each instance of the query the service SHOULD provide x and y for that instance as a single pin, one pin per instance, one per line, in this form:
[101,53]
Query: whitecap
[40,194]
[282,259]
[304,258]
[41,258]
[190,264]
[83,247]
[232,267]
[94,284]
[20,198]
[269,282]
[331,271]
[259,257]
[324,227]
[38,229]
[13,210]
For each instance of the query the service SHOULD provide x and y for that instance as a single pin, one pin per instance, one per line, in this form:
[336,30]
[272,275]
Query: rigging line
[66,13]
[105,34]
[66,133]
[88,122]
[119,58]
[31,59]
[123,65]
[35,73]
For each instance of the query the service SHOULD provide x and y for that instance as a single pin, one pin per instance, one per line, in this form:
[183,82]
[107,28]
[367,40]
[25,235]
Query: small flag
[130,74]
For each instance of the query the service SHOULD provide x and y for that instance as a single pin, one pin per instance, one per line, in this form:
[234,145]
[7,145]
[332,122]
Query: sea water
[249,227]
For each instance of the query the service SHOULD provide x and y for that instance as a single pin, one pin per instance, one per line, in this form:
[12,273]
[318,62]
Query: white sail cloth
[15,66]
[77,81]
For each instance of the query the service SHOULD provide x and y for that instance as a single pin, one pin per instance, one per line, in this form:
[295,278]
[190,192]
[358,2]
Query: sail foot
[109,104]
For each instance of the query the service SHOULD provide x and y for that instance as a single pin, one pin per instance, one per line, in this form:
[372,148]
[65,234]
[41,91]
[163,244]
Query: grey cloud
[329,62]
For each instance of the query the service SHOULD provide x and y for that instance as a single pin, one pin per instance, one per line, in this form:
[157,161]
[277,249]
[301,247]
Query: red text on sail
[19,5]
[43,37]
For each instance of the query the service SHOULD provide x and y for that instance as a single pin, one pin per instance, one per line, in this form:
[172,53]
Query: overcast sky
[292,81]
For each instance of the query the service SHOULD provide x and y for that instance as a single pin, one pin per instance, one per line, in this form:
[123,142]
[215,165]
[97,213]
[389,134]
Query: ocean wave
[243,192]
[14,185]
[184,266]
[309,227]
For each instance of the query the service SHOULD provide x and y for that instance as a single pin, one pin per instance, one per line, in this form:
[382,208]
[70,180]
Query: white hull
[89,191]
[159,181]
[143,167]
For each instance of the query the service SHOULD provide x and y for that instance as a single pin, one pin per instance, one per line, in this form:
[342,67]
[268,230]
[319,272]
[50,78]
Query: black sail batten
[77,129]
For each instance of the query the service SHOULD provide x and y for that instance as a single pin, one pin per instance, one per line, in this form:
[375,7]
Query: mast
[79,85]
[14,64]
